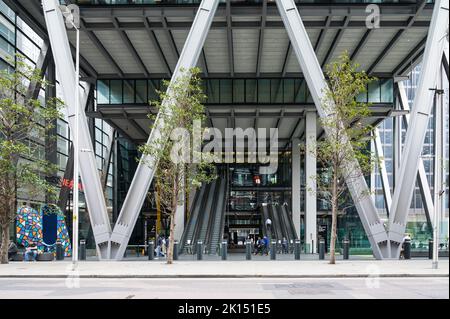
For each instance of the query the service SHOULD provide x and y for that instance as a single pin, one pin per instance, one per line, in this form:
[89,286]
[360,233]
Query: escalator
[282,224]
[292,233]
[207,219]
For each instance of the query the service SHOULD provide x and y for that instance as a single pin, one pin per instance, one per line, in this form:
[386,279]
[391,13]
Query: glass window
[7,29]
[103,92]
[288,90]
[128,91]
[213,87]
[141,91]
[238,91]
[263,91]
[153,86]
[116,91]
[387,91]
[226,91]
[276,90]
[300,91]
[251,91]
[374,92]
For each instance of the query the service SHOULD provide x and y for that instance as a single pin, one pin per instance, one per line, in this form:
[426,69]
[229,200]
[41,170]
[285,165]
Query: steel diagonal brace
[146,168]
[415,135]
[95,199]
[383,171]
[422,175]
[317,84]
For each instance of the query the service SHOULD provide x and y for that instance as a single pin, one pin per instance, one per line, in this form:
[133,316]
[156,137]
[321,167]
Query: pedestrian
[31,252]
[284,245]
[266,245]
[268,225]
[12,250]
[405,238]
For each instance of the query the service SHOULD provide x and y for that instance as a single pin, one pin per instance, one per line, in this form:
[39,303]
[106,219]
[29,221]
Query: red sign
[69,183]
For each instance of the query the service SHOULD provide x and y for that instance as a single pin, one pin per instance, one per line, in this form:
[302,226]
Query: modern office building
[260,69]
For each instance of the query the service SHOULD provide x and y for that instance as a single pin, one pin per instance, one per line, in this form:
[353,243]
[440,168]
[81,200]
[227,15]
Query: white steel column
[317,85]
[311,184]
[90,177]
[421,175]
[415,135]
[383,171]
[296,184]
[146,168]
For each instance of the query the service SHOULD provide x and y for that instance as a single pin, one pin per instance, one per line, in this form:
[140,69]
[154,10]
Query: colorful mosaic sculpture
[29,229]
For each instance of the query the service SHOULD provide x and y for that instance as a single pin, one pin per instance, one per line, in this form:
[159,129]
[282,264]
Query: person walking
[268,226]
[284,245]
[266,245]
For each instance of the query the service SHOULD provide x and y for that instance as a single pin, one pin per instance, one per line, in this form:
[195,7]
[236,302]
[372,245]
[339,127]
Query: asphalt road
[249,288]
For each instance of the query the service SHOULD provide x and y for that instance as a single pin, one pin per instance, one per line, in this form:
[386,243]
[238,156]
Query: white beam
[296,184]
[383,171]
[415,135]
[90,177]
[421,175]
[317,85]
[311,183]
[146,168]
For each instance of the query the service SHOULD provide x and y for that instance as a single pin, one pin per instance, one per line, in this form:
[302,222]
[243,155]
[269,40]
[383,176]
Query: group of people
[30,254]
[162,246]
[262,246]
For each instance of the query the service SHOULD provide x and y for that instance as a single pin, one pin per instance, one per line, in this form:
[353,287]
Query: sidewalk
[226,269]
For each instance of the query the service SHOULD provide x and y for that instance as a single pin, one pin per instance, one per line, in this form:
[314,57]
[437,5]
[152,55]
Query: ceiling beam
[361,44]
[322,34]
[396,38]
[102,50]
[159,51]
[335,42]
[230,38]
[170,38]
[261,37]
[407,60]
[126,40]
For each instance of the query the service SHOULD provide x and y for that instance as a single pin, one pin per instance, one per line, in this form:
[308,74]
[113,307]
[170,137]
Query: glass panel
[141,91]
[251,91]
[153,86]
[116,91]
[238,91]
[387,95]
[214,91]
[276,90]
[263,91]
[103,92]
[7,29]
[128,91]
[288,90]
[226,91]
[374,92]
[300,91]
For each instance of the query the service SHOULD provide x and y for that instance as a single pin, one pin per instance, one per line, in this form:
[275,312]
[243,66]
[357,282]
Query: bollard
[59,251]
[346,246]
[321,249]
[223,250]
[297,249]
[407,249]
[430,248]
[82,249]
[199,250]
[151,250]
[273,250]
[248,250]
[175,250]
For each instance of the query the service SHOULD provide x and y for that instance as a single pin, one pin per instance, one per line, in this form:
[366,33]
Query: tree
[176,172]
[24,123]
[347,138]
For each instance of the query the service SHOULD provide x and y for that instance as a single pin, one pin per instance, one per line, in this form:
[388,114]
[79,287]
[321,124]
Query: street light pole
[439,188]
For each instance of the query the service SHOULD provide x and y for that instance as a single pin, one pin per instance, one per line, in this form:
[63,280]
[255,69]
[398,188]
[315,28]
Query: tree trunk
[171,237]
[333,221]
[5,244]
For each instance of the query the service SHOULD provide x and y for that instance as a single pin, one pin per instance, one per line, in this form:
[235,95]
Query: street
[239,288]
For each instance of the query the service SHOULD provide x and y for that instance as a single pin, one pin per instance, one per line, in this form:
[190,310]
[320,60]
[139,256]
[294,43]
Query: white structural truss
[95,199]
[112,245]
[421,175]
[317,85]
[383,171]
[415,135]
[146,168]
